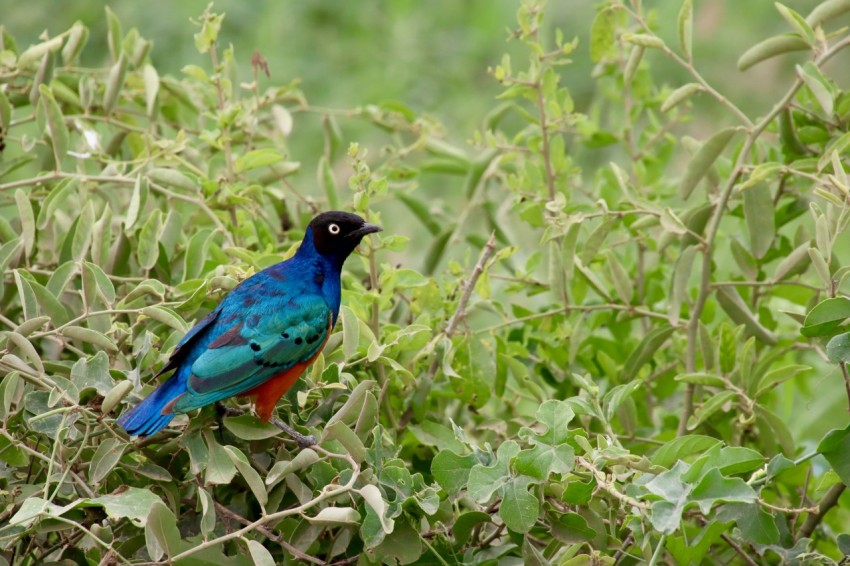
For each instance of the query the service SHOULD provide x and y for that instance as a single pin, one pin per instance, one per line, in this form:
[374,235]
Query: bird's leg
[221,411]
[303,441]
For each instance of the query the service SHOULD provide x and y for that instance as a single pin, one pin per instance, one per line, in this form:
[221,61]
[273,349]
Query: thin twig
[268,534]
[609,487]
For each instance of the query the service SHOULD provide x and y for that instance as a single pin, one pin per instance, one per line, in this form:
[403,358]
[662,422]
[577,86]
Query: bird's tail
[147,418]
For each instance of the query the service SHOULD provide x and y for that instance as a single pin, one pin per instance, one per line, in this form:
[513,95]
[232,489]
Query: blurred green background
[431,55]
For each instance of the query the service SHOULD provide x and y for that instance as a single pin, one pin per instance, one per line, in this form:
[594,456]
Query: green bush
[605,341]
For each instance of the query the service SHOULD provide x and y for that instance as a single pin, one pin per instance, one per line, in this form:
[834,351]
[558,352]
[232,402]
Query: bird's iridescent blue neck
[324,268]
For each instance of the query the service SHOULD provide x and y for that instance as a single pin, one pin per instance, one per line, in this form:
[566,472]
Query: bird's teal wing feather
[265,340]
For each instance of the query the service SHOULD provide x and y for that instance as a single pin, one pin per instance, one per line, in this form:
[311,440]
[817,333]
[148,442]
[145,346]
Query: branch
[829,501]
[267,533]
[459,314]
[603,482]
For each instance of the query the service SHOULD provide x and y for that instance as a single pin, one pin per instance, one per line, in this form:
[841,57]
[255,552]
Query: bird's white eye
[333,229]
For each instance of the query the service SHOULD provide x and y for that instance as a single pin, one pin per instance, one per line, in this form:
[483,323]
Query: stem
[829,501]
[266,533]
[659,550]
[846,375]
[607,486]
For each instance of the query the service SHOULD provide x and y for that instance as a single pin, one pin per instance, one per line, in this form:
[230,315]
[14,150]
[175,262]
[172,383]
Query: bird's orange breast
[267,394]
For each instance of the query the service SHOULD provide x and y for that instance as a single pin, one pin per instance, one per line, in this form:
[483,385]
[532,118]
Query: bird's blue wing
[263,341]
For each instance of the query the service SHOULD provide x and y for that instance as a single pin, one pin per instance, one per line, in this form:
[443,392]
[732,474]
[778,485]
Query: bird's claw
[304,441]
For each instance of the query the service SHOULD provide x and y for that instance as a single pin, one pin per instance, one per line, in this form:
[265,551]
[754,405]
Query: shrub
[590,365]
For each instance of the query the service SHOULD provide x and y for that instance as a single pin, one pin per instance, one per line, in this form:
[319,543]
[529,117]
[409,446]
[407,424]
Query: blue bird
[263,335]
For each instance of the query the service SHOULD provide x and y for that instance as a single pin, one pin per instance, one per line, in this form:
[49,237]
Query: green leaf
[147,251]
[603,32]
[91,336]
[304,459]
[452,471]
[686,28]
[556,415]
[172,178]
[543,459]
[756,525]
[27,218]
[435,434]
[702,161]
[826,317]
[519,508]
[826,11]
[578,493]
[161,534]
[835,447]
[769,48]
[666,516]
[780,375]
[26,348]
[259,555]
[838,348]
[350,332]
[729,460]
[681,94]
[133,503]
[572,528]
[466,522]
[249,474]
[197,254]
[713,488]
[682,447]
[220,469]
[104,285]
[796,21]
[820,86]
[207,511]
[758,213]
[11,454]
[58,130]
[351,442]
[249,427]
[151,78]
[702,379]
[374,499]
[711,406]
[336,516]
[645,351]
[114,83]
[115,36]
[731,302]
[108,454]
[353,406]
[485,480]
[256,159]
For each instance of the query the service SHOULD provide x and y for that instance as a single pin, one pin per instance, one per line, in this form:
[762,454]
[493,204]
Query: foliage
[584,367]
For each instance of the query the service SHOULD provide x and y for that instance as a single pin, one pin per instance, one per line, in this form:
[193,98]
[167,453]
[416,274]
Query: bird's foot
[225,411]
[304,441]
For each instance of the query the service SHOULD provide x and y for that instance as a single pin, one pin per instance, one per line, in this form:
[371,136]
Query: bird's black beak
[364,230]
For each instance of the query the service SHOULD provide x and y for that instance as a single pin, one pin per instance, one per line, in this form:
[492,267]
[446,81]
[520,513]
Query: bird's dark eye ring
[333,229]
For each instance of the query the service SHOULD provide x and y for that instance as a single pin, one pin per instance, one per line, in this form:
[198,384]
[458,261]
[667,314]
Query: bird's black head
[336,233]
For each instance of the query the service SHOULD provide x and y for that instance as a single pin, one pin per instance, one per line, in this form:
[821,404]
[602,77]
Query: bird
[262,336]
